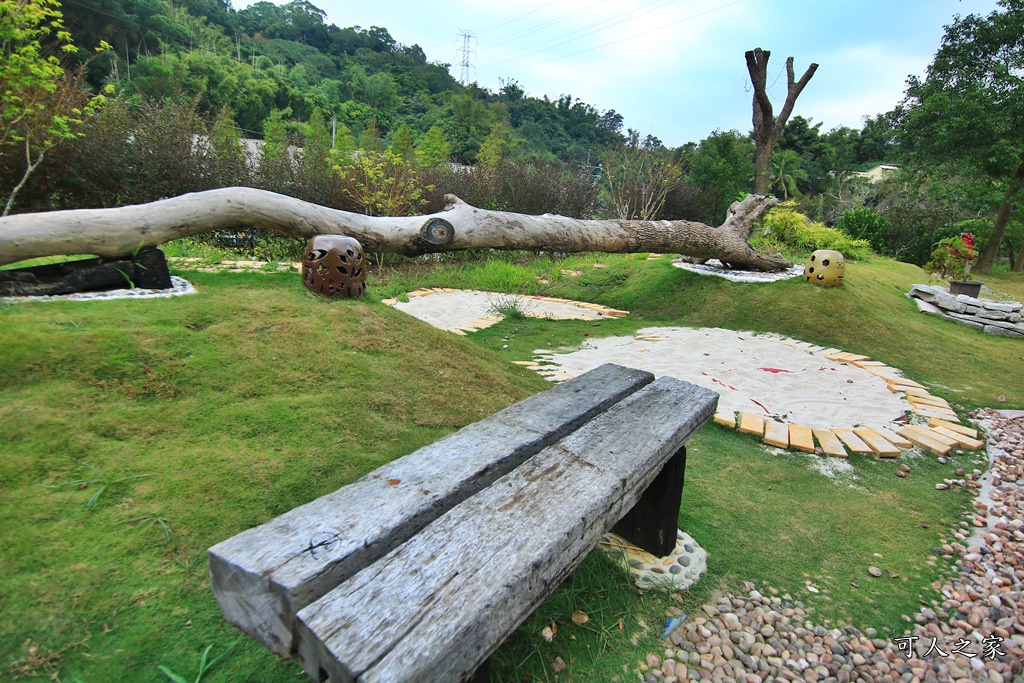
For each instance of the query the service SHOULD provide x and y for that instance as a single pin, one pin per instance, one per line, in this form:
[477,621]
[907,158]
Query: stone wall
[995,317]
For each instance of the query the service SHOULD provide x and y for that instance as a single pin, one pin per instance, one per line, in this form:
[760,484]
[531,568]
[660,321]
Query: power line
[603,24]
[629,37]
[506,23]
[546,24]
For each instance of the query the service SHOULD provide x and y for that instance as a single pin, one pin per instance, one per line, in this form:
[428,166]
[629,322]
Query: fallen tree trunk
[122,231]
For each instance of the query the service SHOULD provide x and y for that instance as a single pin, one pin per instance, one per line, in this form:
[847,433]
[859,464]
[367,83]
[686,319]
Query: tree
[721,166]
[496,146]
[785,173]
[767,126]
[121,231]
[970,108]
[638,176]
[276,171]
[369,139]
[401,143]
[433,149]
[40,103]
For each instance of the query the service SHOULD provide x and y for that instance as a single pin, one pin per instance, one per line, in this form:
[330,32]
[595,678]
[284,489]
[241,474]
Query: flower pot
[971,288]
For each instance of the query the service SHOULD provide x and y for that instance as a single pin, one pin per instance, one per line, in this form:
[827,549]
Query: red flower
[968,239]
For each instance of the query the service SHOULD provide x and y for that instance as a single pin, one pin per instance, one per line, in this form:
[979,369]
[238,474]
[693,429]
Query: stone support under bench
[1001,318]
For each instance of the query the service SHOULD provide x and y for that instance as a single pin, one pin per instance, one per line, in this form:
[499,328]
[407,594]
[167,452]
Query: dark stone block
[89,275]
[151,270]
[146,270]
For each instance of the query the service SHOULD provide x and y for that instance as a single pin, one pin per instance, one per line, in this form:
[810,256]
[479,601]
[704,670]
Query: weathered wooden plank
[776,434]
[961,439]
[869,364]
[941,413]
[852,441]
[751,424]
[830,443]
[932,434]
[801,438]
[902,382]
[894,438]
[963,429]
[263,576]
[930,400]
[878,443]
[924,441]
[435,595]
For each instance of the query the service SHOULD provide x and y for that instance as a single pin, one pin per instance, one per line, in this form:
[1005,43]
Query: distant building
[877,172]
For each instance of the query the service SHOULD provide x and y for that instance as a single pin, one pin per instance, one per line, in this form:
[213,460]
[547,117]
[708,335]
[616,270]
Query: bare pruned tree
[767,126]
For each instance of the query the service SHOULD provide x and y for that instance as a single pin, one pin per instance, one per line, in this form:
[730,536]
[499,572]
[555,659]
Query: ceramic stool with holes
[334,265]
[825,267]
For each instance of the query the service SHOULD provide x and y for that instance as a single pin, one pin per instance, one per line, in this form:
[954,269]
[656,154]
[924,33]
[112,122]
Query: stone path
[756,638]
[230,266]
[179,287]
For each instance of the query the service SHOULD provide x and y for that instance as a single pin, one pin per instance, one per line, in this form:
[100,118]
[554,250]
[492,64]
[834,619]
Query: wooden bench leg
[653,521]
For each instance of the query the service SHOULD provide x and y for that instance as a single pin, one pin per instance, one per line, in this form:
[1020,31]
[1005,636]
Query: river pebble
[757,638]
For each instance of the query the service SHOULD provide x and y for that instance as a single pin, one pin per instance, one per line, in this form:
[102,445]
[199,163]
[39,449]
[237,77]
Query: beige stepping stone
[962,439]
[925,441]
[725,419]
[894,438]
[830,443]
[751,424]
[389,302]
[801,438]
[852,441]
[776,434]
[966,431]
[878,443]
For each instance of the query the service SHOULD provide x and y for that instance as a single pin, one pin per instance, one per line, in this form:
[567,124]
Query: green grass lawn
[254,396]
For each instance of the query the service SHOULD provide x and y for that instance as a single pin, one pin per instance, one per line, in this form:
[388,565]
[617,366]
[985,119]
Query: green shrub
[787,231]
[864,224]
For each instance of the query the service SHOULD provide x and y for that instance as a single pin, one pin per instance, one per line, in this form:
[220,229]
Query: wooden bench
[446,551]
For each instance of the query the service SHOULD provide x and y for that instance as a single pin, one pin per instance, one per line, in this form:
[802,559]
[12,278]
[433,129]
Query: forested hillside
[181,83]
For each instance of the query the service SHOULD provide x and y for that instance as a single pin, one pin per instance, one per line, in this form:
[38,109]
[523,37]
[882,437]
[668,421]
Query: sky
[675,68]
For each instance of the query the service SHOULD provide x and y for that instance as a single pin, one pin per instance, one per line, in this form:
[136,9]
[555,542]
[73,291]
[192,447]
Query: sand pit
[788,380]
[787,392]
[463,310]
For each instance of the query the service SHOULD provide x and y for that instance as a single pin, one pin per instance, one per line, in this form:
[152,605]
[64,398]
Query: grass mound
[253,397]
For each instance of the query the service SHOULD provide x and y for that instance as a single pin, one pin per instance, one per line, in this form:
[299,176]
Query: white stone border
[179,287]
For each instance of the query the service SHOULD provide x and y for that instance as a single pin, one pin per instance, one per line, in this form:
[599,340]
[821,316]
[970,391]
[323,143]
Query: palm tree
[785,173]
